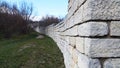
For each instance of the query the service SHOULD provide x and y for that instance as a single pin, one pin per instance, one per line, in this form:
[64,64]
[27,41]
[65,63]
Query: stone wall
[89,37]
[40,29]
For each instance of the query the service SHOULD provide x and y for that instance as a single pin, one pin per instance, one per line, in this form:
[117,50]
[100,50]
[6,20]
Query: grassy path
[28,52]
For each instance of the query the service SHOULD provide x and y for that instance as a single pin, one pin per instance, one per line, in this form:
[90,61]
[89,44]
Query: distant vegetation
[48,20]
[14,20]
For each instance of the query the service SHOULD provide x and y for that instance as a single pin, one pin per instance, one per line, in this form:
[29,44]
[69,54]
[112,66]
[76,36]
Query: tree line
[14,20]
[48,20]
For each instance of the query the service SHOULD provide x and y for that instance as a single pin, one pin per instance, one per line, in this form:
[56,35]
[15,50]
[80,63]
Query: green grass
[29,52]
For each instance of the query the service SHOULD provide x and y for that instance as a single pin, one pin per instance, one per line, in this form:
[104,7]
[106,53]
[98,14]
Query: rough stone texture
[115,28]
[76,66]
[88,35]
[94,10]
[75,56]
[70,49]
[86,62]
[72,31]
[93,29]
[67,39]
[73,7]
[102,47]
[73,65]
[78,16]
[72,41]
[112,63]
[80,44]
[102,10]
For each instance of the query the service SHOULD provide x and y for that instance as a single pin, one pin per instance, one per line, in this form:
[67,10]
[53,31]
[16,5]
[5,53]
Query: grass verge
[29,52]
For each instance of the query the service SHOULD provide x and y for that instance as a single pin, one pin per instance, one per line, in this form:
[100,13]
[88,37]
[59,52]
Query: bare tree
[26,11]
[14,20]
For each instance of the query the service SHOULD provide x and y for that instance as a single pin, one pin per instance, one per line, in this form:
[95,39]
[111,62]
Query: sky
[42,8]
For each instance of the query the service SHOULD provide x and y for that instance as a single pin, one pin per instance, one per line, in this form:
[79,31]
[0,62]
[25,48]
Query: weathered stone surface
[79,37]
[78,16]
[72,41]
[70,49]
[115,28]
[73,65]
[75,56]
[101,10]
[80,44]
[93,29]
[72,10]
[86,62]
[67,39]
[74,6]
[76,66]
[102,47]
[67,58]
[72,31]
[112,63]
[96,10]
[70,22]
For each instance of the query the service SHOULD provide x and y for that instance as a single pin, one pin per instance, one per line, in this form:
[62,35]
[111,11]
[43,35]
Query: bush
[12,20]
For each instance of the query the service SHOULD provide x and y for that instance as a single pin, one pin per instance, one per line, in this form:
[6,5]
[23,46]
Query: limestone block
[74,5]
[70,4]
[80,2]
[75,19]
[72,9]
[66,32]
[73,64]
[97,10]
[80,44]
[75,56]
[101,10]
[86,62]
[93,29]
[67,59]
[76,66]
[112,63]
[72,41]
[115,28]
[67,39]
[71,22]
[78,15]
[102,47]
[70,49]
[72,31]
